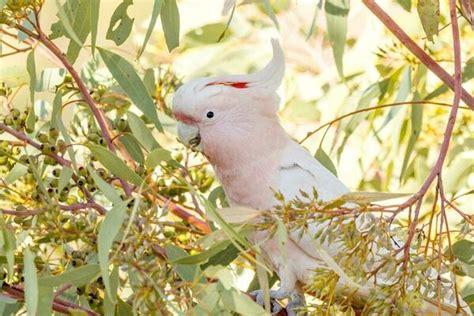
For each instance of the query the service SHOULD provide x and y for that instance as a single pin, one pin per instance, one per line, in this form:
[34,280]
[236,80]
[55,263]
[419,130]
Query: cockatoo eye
[210,114]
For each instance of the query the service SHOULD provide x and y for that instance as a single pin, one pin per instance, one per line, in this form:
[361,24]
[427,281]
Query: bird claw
[294,300]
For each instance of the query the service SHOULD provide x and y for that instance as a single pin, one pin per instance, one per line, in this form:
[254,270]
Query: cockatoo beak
[189,136]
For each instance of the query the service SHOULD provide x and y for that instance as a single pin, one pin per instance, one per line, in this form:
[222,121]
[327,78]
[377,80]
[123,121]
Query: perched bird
[233,121]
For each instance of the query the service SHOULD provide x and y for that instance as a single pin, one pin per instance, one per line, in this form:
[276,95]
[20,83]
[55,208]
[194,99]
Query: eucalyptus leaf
[154,17]
[336,19]
[325,160]
[120,24]
[131,83]
[94,20]
[141,132]
[428,11]
[115,164]
[170,22]
[109,229]
[132,147]
[31,282]
[77,277]
[156,157]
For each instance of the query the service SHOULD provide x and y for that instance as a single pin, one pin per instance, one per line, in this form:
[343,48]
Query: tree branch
[418,52]
[26,139]
[43,39]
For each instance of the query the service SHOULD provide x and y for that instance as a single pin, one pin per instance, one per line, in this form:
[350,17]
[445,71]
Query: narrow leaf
[15,173]
[120,24]
[132,147]
[94,20]
[108,231]
[77,277]
[109,192]
[81,14]
[405,4]
[131,83]
[31,282]
[367,197]
[238,214]
[67,24]
[156,157]
[64,177]
[416,124]
[170,23]
[324,159]
[336,19]
[428,11]
[154,16]
[142,132]
[114,164]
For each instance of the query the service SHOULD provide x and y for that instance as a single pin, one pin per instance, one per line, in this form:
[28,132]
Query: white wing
[298,170]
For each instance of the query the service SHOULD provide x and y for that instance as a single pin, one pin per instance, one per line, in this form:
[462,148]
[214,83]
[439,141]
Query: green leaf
[464,251]
[141,132]
[405,4]
[81,13]
[123,309]
[428,11]
[15,173]
[203,256]
[336,19]
[324,159]
[109,305]
[317,8]
[241,303]
[269,11]
[114,164]
[133,148]
[94,19]
[223,257]
[156,157]
[31,282]
[129,81]
[108,231]
[459,170]
[8,246]
[154,16]
[186,272]
[170,23]
[224,32]
[45,300]
[416,124]
[263,281]
[77,277]
[368,197]
[120,24]
[109,192]
[65,21]
[31,68]
[149,81]
[64,178]
[403,92]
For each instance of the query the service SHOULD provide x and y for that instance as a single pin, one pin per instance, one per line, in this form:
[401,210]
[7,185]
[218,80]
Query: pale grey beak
[189,136]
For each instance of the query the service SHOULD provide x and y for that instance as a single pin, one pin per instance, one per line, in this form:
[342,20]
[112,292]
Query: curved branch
[426,59]
[309,134]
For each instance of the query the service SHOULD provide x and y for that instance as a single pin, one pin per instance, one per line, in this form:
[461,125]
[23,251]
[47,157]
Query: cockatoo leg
[295,301]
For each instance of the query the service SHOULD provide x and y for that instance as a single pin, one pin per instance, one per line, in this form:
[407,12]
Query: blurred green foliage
[130,222]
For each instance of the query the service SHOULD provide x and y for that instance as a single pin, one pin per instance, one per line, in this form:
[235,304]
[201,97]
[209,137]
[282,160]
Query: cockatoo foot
[294,300]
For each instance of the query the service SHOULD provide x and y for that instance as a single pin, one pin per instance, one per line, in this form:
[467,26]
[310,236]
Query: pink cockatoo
[233,121]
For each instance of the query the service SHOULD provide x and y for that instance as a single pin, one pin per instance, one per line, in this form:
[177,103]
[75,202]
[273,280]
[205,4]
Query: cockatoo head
[213,112]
